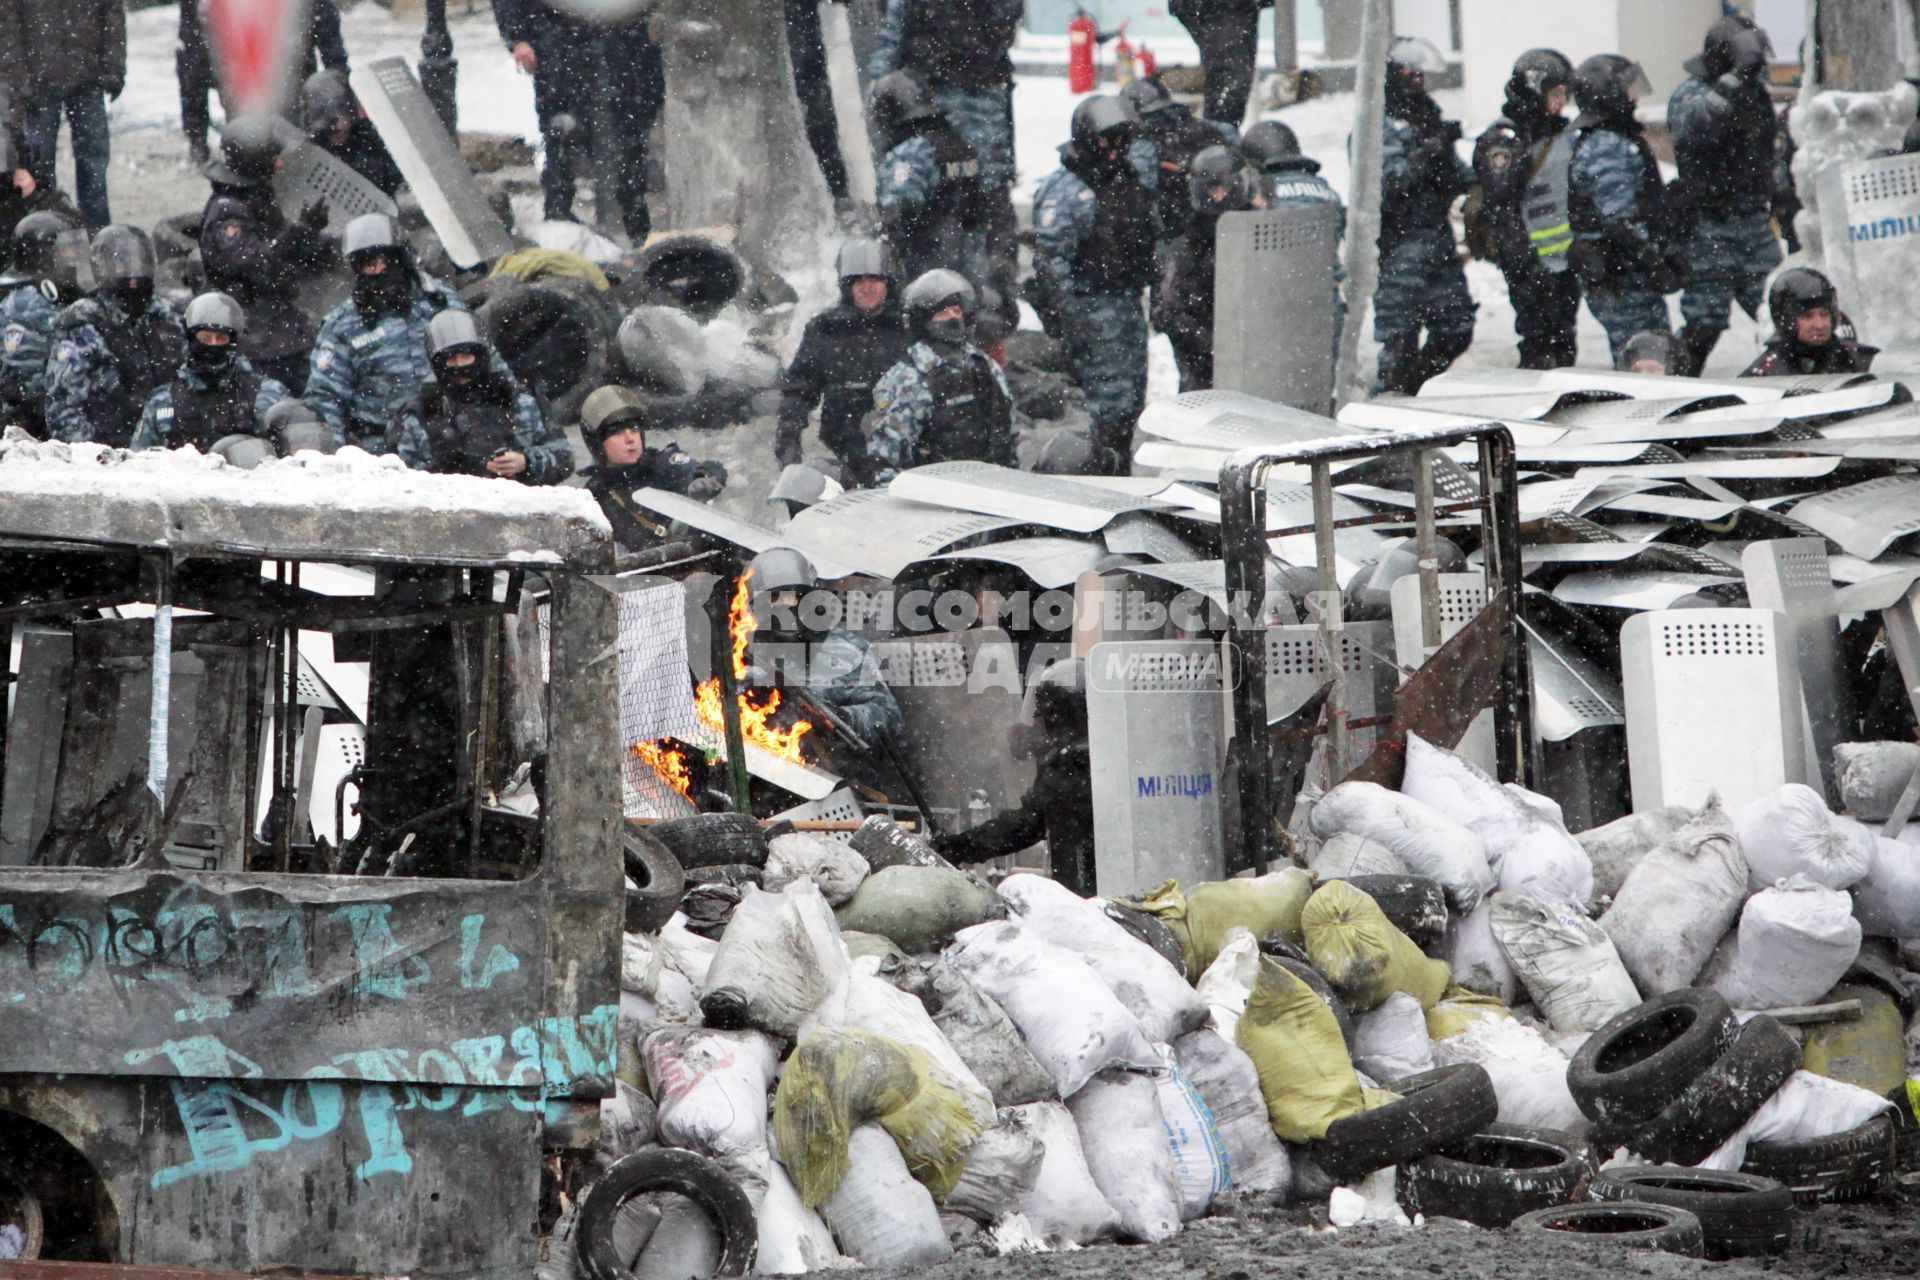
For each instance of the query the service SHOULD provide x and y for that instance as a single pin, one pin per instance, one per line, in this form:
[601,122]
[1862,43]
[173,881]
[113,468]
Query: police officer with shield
[1220,182]
[474,417]
[216,392]
[112,347]
[946,401]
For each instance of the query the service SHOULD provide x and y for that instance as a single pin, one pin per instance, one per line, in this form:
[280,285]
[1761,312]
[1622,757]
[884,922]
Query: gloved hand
[704,489]
[114,85]
[314,215]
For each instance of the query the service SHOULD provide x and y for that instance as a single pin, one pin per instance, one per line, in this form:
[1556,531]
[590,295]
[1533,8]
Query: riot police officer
[43,277]
[473,417]
[843,353]
[112,347]
[1094,233]
[932,201]
[1810,332]
[1294,180]
[1220,182]
[946,401]
[1655,352]
[254,254]
[1725,140]
[1617,204]
[1521,162]
[216,392]
[331,116]
[613,422]
[1168,140]
[1422,285]
[371,354]
[832,665]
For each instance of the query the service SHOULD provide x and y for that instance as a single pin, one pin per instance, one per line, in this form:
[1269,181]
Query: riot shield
[1273,304]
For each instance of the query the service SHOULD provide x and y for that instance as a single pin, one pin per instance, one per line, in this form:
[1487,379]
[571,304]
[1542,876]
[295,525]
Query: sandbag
[1522,832]
[1002,1165]
[1069,1019]
[1064,1205]
[1567,962]
[920,908]
[1201,1166]
[1429,843]
[870,944]
[1678,901]
[711,1089]
[1229,980]
[1460,1009]
[1871,776]
[792,1237]
[1476,958]
[651,988]
[683,1245]
[1346,854]
[1226,1080]
[1868,1051]
[1887,901]
[1124,1135]
[1294,1040]
[880,1215]
[1806,1106]
[977,1028]
[780,957]
[869,1003]
[1361,954]
[807,855]
[1790,832]
[1203,916]
[1529,1075]
[1795,941]
[1617,846]
[686,950]
[839,1079]
[1390,1042]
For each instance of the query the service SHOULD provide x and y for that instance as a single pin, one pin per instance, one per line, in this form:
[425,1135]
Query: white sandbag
[1678,901]
[1567,963]
[627,1121]
[1474,955]
[1795,941]
[793,1238]
[711,1090]
[1071,1022]
[687,951]
[1346,854]
[651,988]
[684,1244]
[1617,846]
[1429,843]
[1151,988]
[1887,901]
[1002,1165]
[1124,1135]
[1201,1166]
[568,236]
[1229,980]
[1791,832]
[977,1028]
[869,1003]
[1390,1040]
[808,855]
[1806,1106]
[1525,837]
[1064,1205]
[1871,775]
[1228,1082]
[1529,1075]
[879,1214]
[780,957]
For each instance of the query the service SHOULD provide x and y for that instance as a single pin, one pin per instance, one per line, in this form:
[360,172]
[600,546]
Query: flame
[670,764]
[755,717]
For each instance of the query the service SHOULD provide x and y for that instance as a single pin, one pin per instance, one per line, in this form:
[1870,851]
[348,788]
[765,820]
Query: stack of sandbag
[1794,942]
[1790,832]
[1522,832]
[1420,840]
[1678,902]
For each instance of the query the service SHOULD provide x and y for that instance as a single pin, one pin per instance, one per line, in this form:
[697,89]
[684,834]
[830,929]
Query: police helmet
[1068,454]
[609,409]
[1218,166]
[1273,147]
[897,102]
[453,330]
[1607,85]
[1414,55]
[933,293]
[47,246]
[865,258]
[121,253]
[1102,117]
[216,311]
[1535,72]
[781,569]
[371,233]
[326,99]
[295,425]
[1796,291]
[1147,96]
[1734,43]
[1649,344]
[249,152]
[1056,699]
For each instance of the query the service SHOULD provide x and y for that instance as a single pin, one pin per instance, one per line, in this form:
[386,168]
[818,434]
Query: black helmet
[1796,291]
[1607,85]
[325,99]
[121,253]
[609,409]
[1273,147]
[1535,72]
[1218,166]
[865,258]
[1649,344]
[1147,96]
[1103,116]
[47,246]
[934,292]
[295,425]
[1910,141]
[249,151]
[371,233]
[898,102]
[216,311]
[1733,43]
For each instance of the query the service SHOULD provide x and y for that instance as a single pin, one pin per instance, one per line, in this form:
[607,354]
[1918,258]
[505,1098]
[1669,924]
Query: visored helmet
[781,569]
[1735,43]
[325,100]
[1213,168]
[371,233]
[1796,291]
[216,311]
[453,330]
[295,426]
[1608,85]
[935,292]
[897,103]
[1534,73]
[47,246]
[1148,96]
[1273,147]
[1103,117]
[864,257]
[249,152]
[1650,344]
[1410,59]
[121,253]
[609,409]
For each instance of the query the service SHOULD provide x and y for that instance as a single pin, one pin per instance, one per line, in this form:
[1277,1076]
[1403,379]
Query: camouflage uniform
[103,367]
[1611,186]
[930,219]
[157,427]
[1291,188]
[1421,283]
[844,676]
[549,456]
[26,327]
[1727,155]
[363,376]
[907,415]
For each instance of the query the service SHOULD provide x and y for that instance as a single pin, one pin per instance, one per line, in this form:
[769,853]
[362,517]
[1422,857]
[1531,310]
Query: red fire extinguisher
[1145,62]
[1123,68]
[1080,45]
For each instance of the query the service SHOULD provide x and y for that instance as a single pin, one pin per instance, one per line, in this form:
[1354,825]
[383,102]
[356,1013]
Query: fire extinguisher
[1147,64]
[1080,45]
[1123,69]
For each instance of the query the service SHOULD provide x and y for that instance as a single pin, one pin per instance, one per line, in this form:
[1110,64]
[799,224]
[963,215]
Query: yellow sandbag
[1459,1009]
[1294,1040]
[1869,1051]
[839,1079]
[1201,916]
[1362,955]
[527,265]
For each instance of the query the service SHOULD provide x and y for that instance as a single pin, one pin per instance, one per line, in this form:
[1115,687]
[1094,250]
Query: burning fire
[670,764]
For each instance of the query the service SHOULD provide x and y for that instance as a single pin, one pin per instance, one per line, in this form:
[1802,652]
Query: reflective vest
[1544,209]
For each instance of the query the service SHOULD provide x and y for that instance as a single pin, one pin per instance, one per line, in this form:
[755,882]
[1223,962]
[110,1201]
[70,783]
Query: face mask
[131,296]
[391,290]
[459,380]
[210,361]
[947,333]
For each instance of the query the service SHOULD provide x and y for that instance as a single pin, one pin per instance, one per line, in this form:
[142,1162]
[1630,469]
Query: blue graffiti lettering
[499,959]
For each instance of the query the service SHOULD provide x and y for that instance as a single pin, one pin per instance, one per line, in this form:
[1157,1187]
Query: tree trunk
[736,148]
[1857,45]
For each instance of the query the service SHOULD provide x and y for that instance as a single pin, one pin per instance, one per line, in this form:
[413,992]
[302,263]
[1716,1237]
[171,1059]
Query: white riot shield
[1883,243]
[308,173]
[1273,305]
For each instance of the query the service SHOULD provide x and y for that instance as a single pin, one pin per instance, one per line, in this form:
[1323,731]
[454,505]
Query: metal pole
[1327,602]
[1363,207]
[1243,520]
[1286,36]
[1426,553]
[718,604]
[439,69]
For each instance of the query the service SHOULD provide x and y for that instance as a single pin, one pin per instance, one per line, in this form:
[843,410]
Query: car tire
[715,840]
[1622,1225]
[1414,905]
[655,880]
[1150,931]
[885,843]
[1854,1165]
[1723,1097]
[696,1177]
[1491,1177]
[1629,1070]
[1436,1109]
[555,334]
[1304,971]
[1741,1215]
